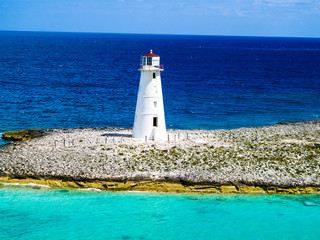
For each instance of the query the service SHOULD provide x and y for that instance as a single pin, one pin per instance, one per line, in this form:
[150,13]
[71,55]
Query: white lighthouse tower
[149,122]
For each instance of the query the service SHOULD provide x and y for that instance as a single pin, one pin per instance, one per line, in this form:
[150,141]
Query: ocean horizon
[66,80]
[69,80]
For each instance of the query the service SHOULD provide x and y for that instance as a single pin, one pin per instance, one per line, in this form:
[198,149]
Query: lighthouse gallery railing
[151,67]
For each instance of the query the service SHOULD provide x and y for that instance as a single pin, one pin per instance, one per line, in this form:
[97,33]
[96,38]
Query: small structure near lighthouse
[149,122]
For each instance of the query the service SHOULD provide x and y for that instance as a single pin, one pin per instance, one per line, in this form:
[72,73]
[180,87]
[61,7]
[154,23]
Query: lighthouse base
[155,134]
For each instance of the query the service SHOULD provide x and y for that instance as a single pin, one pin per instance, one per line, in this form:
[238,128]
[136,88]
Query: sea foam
[25,185]
[89,189]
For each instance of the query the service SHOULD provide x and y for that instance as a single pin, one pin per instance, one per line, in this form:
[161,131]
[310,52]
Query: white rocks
[272,155]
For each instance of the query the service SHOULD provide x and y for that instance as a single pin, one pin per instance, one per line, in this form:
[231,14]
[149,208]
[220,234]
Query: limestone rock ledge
[153,186]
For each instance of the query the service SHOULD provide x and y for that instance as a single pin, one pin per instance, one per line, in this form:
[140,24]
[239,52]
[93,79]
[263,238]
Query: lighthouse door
[155,121]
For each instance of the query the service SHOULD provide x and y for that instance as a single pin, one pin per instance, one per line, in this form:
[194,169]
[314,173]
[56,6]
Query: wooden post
[146,139]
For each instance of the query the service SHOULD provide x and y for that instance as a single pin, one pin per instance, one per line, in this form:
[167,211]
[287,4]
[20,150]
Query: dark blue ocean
[64,80]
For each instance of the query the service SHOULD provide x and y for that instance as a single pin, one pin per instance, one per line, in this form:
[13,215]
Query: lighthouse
[149,122]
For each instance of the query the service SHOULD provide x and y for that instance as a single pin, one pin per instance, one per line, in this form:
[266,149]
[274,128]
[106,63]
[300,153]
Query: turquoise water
[2,141]
[63,214]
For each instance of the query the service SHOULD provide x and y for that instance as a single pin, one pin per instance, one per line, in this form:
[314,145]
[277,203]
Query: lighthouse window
[155,121]
[154,75]
[149,60]
[155,104]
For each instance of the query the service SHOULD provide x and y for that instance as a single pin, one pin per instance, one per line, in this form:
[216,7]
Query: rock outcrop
[282,158]
[22,135]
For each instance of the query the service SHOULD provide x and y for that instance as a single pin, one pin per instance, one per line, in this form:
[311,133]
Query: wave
[25,185]
[89,189]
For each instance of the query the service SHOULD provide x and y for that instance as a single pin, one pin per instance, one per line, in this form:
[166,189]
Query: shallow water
[64,214]
[3,141]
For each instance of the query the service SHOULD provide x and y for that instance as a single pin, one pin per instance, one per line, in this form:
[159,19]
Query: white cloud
[285,3]
[305,7]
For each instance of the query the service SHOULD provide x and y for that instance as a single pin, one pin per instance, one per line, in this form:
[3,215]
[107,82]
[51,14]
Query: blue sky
[289,18]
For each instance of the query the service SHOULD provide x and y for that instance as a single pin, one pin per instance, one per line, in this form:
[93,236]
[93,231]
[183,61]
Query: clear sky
[290,18]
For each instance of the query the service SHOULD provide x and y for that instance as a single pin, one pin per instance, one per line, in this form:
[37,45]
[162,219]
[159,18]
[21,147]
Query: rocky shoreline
[282,158]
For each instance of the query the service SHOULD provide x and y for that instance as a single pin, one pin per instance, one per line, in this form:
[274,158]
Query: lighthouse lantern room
[149,122]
